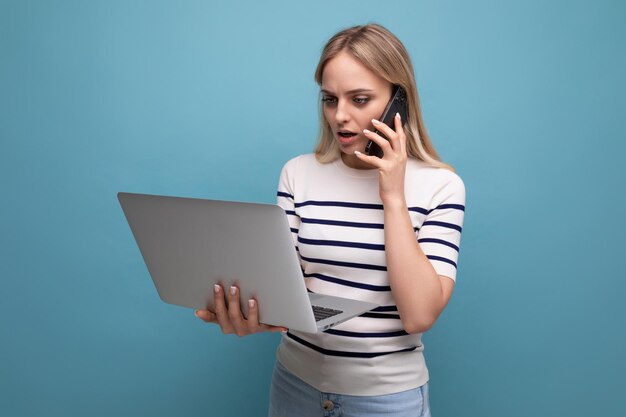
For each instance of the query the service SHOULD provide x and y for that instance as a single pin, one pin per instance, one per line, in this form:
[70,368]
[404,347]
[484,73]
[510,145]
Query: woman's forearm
[415,285]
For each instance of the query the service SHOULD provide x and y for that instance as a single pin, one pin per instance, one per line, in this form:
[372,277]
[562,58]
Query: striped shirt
[336,218]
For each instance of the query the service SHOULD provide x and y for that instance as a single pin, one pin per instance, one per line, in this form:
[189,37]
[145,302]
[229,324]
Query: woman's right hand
[231,319]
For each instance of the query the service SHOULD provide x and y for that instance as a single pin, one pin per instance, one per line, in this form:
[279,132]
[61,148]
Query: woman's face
[352,96]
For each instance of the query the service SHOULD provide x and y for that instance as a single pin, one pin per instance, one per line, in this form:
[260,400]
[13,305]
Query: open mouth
[346,134]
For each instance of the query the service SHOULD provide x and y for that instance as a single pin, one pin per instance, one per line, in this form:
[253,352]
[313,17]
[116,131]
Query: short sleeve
[440,233]
[285,198]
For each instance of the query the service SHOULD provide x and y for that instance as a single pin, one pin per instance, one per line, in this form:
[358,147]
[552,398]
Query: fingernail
[375,121]
[357,152]
[398,115]
[216,288]
[366,131]
[251,303]
[233,290]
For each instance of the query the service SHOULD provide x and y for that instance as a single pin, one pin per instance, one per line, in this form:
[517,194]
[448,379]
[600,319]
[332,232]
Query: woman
[385,230]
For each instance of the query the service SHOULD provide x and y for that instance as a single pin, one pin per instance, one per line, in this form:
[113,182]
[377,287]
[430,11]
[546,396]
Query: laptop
[191,244]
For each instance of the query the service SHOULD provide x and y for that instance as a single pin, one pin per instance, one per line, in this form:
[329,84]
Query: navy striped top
[336,218]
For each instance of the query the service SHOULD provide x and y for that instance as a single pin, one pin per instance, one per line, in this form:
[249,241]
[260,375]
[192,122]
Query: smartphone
[397,104]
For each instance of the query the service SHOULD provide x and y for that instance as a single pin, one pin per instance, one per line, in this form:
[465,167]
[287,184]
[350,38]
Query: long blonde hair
[380,51]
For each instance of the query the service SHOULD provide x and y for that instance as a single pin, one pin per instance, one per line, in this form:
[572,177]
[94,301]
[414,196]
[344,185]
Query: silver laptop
[190,244]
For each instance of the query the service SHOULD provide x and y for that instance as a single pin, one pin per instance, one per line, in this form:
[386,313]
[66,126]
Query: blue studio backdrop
[209,99]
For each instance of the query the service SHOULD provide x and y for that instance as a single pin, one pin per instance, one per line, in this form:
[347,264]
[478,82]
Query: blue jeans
[292,397]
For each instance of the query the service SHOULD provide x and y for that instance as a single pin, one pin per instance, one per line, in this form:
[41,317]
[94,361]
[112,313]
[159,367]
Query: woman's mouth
[346,137]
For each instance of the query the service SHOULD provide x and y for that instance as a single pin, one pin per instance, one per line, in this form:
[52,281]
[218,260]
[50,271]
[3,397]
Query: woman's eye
[361,100]
[328,100]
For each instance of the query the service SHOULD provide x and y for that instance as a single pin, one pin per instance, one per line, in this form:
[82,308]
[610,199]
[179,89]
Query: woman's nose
[341,115]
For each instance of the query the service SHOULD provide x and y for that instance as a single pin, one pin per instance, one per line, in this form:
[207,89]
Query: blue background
[209,99]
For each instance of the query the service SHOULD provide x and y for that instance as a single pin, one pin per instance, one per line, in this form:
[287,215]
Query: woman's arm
[419,292]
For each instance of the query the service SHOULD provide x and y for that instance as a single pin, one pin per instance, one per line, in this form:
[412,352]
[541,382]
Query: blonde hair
[383,53]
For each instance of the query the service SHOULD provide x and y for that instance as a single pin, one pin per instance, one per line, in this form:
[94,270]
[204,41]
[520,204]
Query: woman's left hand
[392,165]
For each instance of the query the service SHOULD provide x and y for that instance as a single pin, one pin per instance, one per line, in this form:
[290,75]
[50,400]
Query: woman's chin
[348,147]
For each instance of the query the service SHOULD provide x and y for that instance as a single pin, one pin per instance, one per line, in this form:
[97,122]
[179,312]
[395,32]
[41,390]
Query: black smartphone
[397,104]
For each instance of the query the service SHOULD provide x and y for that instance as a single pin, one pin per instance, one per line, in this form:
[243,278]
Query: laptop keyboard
[322,313]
